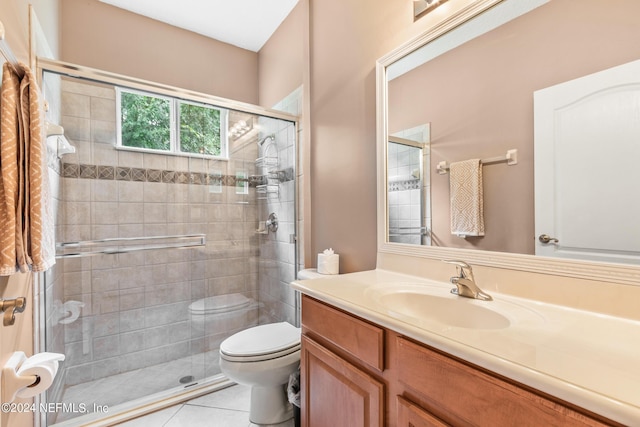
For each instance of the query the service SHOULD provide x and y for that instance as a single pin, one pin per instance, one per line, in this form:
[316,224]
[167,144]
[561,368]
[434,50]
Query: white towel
[465,186]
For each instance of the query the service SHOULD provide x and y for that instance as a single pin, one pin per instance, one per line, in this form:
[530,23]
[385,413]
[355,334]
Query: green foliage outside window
[146,121]
[199,129]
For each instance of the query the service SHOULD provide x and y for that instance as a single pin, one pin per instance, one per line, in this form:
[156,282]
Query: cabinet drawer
[411,415]
[357,337]
[464,395]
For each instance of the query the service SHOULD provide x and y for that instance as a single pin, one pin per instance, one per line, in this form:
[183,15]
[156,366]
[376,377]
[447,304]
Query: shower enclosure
[144,234]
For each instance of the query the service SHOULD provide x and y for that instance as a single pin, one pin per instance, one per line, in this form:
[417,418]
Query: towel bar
[200,240]
[511,158]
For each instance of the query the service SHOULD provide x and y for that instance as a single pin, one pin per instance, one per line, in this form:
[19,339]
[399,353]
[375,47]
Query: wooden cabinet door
[411,415]
[335,393]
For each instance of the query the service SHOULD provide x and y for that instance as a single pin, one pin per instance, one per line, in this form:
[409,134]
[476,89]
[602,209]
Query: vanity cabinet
[356,373]
[338,354]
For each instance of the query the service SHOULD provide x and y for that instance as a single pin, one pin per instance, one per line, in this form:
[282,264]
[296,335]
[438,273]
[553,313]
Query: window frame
[174,123]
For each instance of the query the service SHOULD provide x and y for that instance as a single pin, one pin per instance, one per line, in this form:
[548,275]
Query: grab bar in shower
[196,240]
[408,231]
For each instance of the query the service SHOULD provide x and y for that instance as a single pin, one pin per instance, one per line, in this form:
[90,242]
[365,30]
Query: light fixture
[421,7]
[240,128]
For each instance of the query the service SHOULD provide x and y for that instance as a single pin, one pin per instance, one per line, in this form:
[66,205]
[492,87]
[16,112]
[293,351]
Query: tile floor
[228,407]
[115,389]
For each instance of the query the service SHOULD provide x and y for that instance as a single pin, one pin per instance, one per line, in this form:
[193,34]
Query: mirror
[476,79]
[408,180]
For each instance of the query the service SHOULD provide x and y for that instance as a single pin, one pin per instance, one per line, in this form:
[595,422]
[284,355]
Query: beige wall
[346,40]
[105,37]
[15,18]
[280,60]
[47,15]
[479,101]
[283,65]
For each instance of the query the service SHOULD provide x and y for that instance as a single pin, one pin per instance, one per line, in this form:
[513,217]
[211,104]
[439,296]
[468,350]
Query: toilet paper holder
[10,307]
[14,383]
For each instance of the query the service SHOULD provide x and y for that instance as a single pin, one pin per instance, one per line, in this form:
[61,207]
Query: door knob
[545,238]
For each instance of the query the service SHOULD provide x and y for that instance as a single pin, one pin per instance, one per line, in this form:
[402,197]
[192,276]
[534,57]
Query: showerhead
[261,142]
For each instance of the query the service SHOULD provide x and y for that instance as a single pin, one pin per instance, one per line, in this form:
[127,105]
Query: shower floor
[128,386]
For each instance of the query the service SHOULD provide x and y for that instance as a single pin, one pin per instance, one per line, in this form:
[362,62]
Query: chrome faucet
[465,284]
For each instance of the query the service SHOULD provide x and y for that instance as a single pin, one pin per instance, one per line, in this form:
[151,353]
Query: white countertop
[585,358]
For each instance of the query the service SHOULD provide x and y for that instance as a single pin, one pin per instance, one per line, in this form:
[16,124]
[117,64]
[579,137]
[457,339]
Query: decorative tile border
[118,173]
[70,170]
[404,184]
[106,172]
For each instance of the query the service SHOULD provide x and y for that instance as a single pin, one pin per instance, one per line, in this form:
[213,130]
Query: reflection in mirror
[476,86]
[572,120]
[408,186]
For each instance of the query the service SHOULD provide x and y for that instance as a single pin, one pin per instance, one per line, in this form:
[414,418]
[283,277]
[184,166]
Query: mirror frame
[600,271]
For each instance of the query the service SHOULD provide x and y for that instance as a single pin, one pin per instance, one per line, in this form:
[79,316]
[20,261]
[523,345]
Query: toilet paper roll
[45,367]
[328,262]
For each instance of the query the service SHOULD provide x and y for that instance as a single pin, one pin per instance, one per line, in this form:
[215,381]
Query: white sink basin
[431,303]
[452,312]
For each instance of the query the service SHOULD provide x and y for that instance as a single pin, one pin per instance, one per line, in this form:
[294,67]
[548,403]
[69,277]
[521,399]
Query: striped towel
[26,217]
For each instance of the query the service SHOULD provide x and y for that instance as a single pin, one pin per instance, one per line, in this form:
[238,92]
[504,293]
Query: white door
[587,166]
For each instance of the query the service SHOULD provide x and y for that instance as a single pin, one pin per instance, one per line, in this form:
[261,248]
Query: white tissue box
[328,263]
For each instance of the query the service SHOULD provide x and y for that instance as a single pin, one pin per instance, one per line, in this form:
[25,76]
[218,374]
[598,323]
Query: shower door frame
[149,403]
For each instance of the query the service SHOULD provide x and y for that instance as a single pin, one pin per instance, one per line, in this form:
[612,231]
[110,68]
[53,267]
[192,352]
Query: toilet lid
[262,342]
[219,304]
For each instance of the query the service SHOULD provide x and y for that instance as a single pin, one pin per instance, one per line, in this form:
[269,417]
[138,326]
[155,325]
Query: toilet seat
[261,343]
[219,304]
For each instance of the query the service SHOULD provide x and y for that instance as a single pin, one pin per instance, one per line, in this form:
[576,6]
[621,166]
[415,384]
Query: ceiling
[244,23]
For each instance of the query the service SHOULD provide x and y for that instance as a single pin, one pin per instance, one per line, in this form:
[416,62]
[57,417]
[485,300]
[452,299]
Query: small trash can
[293,393]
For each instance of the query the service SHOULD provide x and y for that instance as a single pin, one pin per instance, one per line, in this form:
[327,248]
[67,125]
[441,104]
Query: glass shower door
[127,320]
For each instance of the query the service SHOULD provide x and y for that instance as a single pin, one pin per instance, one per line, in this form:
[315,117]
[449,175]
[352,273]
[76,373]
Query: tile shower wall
[135,309]
[409,188]
[277,262]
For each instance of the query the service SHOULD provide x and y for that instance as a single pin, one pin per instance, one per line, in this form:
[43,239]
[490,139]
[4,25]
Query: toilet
[263,357]
[223,313]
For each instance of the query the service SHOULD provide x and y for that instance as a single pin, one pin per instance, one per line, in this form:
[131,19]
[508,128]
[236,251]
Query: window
[200,129]
[145,121]
[153,122]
